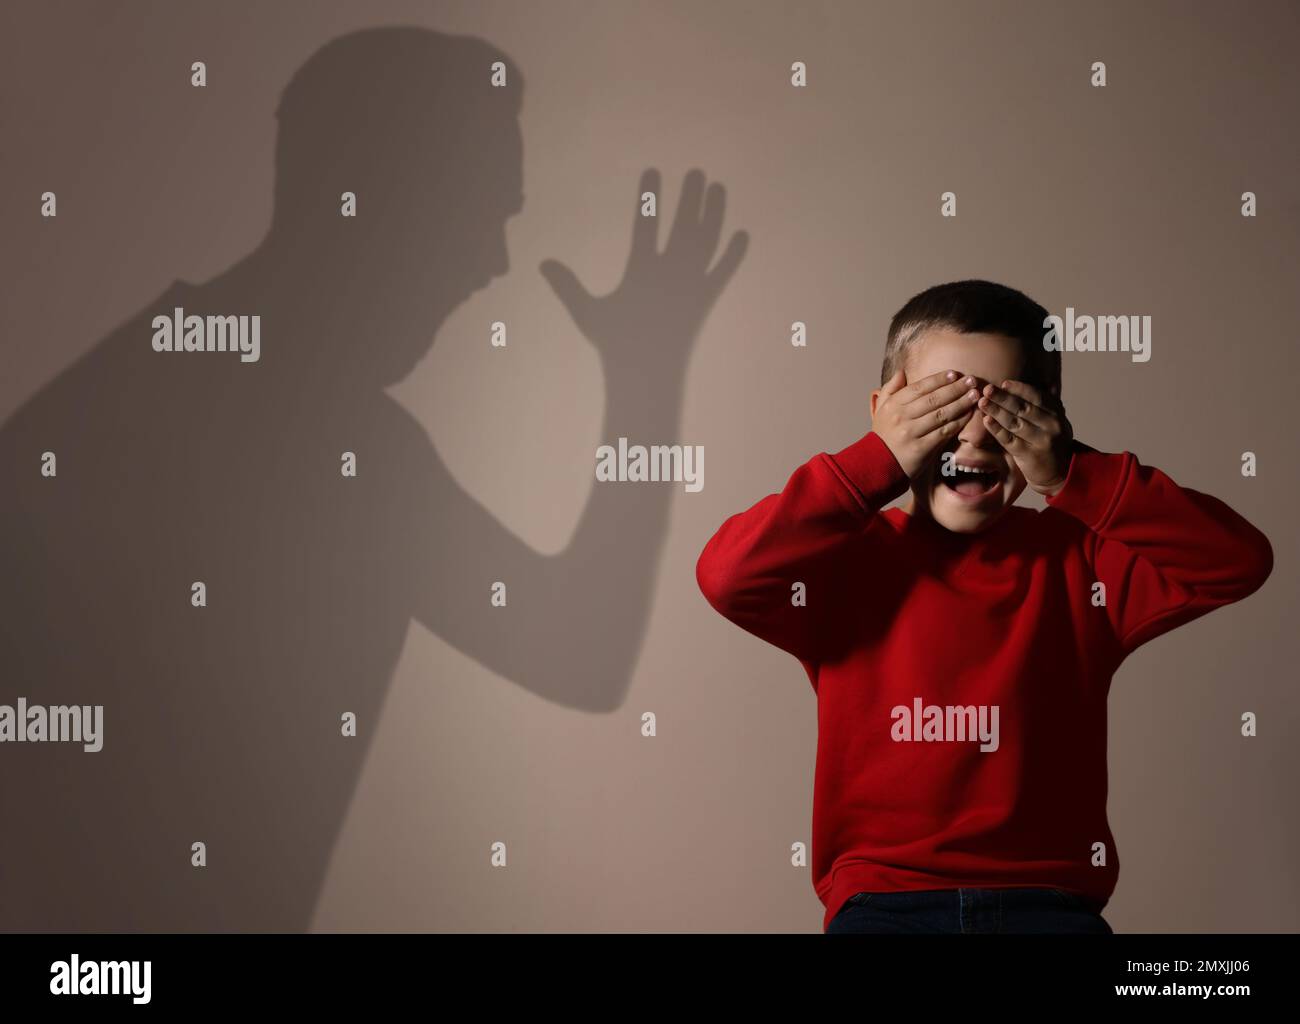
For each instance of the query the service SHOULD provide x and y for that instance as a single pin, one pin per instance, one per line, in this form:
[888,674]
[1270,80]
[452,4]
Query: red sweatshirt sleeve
[1167,554]
[748,569]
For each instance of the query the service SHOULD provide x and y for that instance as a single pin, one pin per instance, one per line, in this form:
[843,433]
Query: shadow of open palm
[656,312]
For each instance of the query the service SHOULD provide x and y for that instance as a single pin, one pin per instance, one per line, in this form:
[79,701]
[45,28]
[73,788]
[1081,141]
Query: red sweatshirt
[902,615]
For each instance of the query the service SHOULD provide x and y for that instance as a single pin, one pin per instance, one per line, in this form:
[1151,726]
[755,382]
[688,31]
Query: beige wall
[1115,200]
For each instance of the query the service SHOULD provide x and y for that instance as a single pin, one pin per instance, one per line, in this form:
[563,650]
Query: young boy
[961,649]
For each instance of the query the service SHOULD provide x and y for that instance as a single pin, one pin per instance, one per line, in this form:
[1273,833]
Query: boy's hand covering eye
[916,420]
[1032,427]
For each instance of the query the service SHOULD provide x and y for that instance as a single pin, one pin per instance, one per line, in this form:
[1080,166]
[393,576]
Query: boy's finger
[894,383]
[958,410]
[1011,422]
[1004,437]
[927,385]
[1028,393]
[936,398]
[1020,406]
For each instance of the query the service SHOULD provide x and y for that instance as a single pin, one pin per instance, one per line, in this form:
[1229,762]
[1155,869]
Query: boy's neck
[919,514]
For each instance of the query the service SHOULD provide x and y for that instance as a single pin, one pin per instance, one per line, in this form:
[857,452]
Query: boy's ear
[875,397]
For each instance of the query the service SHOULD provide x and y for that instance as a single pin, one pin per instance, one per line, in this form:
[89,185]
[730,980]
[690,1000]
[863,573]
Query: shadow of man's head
[421,129]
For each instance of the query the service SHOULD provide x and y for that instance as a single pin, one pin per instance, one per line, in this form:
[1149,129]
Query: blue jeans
[969,911]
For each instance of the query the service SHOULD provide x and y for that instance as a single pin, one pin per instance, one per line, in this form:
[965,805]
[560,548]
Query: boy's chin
[957,515]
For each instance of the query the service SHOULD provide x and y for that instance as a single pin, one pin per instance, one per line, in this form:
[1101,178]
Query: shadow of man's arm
[573,622]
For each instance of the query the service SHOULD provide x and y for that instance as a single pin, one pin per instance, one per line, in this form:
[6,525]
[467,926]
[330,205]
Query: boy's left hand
[1032,427]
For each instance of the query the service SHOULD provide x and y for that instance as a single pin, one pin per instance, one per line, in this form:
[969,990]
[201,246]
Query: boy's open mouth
[971,484]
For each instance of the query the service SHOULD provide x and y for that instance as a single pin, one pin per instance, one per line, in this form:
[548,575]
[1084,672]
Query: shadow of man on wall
[223,716]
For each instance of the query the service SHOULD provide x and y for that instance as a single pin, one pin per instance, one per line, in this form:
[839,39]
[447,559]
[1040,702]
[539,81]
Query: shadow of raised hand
[656,311]
[584,610]
[580,645]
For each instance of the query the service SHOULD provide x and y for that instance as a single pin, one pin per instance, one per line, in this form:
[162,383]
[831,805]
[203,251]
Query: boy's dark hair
[976,307]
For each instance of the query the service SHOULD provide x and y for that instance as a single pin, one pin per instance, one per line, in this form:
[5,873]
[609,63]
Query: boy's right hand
[915,420]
